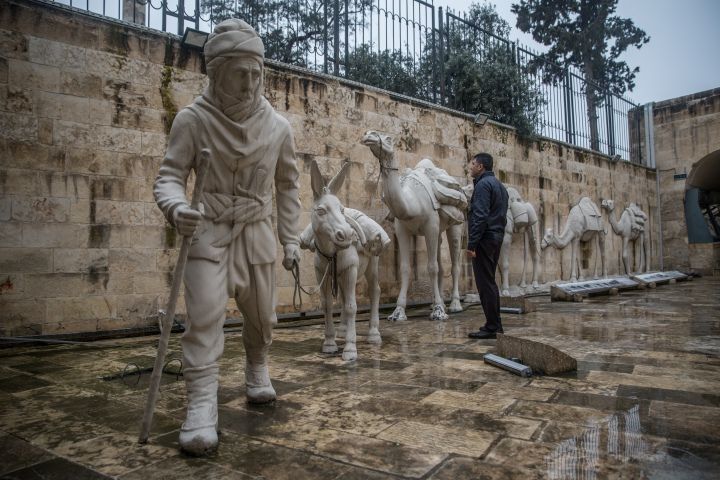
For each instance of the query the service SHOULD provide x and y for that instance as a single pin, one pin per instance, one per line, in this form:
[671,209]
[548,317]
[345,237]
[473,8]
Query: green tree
[481,73]
[585,34]
[389,70]
[293,32]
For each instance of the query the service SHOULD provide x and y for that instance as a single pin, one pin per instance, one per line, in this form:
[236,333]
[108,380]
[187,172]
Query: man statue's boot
[198,434]
[258,387]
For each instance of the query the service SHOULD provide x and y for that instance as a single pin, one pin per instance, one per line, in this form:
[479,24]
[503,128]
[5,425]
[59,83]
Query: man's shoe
[483,334]
[485,329]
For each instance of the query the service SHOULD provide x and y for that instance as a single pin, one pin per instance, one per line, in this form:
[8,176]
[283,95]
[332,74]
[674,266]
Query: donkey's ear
[337,181]
[317,182]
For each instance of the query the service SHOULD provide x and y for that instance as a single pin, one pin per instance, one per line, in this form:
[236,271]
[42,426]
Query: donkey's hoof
[398,315]
[455,306]
[329,347]
[438,313]
[374,337]
[349,352]
[505,293]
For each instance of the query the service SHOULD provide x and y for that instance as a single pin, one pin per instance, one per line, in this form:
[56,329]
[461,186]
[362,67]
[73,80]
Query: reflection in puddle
[616,437]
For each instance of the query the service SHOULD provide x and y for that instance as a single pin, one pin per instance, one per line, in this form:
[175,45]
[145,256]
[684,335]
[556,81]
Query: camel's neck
[613,222]
[563,240]
[396,198]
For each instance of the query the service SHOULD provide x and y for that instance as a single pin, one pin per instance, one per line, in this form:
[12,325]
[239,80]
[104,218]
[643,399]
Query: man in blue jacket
[486,224]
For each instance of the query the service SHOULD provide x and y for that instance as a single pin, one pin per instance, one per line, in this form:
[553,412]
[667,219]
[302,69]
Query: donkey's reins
[331,268]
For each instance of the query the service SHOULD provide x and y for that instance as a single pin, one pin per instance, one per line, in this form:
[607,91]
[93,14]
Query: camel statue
[521,218]
[631,227]
[425,201]
[584,223]
[347,244]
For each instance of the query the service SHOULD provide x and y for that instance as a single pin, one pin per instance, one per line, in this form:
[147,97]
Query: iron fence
[409,47]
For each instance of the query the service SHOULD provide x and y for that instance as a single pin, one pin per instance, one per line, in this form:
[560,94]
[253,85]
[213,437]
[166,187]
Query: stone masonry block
[25,260]
[21,313]
[123,213]
[33,76]
[56,235]
[152,282]
[80,260]
[13,44]
[153,144]
[18,127]
[10,234]
[81,308]
[118,139]
[12,286]
[78,82]
[5,209]
[16,99]
[40,209]
[132,260]
[139,307]
[45,131]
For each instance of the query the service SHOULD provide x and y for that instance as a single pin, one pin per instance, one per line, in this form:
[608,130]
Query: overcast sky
[682,57]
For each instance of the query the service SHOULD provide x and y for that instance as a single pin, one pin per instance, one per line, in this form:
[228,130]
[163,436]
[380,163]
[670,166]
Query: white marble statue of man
[234,249]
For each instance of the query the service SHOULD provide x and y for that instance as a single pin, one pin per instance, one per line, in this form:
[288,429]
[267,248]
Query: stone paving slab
[644,401]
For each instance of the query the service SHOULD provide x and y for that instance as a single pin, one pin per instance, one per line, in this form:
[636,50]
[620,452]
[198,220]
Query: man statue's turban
[232,38]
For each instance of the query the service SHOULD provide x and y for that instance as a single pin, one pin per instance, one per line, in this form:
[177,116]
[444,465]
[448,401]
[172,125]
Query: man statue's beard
[236,109]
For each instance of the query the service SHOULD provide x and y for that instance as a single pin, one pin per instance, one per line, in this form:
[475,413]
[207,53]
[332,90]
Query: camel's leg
[371,276]
[596,243]
[441,271]
[575,270]
[534,254]
[601,246]
[404,242]
[525,255]
[454,234]
[644,240]
[432,241]
[329,346]
[625,254]
[347,281]
[505,264]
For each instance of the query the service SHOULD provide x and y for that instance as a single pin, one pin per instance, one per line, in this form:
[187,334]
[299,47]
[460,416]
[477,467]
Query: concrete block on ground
[542,358]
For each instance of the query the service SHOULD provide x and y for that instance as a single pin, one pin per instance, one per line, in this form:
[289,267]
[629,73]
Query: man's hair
[485,159]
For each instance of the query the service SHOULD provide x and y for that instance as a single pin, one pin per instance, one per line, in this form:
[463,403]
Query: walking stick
[167,321]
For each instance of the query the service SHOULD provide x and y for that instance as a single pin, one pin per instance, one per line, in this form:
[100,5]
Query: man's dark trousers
[484,265]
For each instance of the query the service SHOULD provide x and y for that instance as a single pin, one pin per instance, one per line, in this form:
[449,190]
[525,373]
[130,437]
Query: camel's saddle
[445,192]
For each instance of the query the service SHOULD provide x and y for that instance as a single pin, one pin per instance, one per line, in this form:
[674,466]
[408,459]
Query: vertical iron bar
[569,108]
[336,38]
[610,124]
[181,17]
[325,38]
[347,34]
[441,55]
[434,57]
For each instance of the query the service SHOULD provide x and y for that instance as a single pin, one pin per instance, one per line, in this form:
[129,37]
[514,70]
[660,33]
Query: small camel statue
[425,201]
[521,218]
[584,223]
[631,227]
[347,244]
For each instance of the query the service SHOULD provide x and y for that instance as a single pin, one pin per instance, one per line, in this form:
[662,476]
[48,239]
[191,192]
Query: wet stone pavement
[644,403]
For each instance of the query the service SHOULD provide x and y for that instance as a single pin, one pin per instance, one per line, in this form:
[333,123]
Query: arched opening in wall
[702,200]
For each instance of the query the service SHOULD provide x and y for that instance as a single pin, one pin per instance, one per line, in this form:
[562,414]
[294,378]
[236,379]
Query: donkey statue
[347,244]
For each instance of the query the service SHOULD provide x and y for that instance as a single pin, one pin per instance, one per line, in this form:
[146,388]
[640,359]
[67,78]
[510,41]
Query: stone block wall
[686,129]
[85,107]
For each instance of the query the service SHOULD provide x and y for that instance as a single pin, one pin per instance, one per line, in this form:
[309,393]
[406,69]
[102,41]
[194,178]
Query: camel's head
[547,239]
[608,205]
[380,145]
[328,214]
